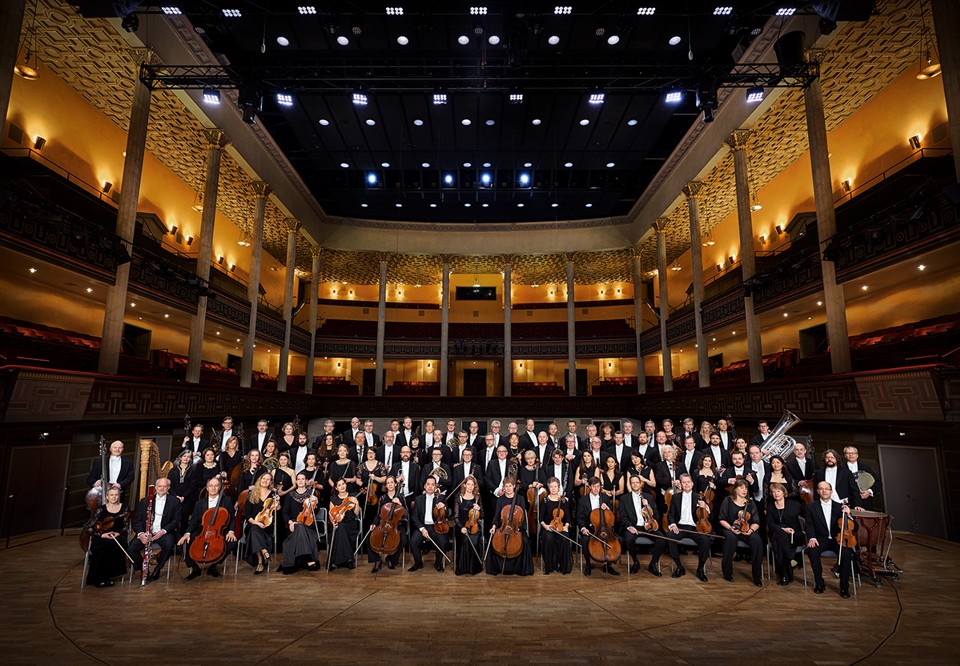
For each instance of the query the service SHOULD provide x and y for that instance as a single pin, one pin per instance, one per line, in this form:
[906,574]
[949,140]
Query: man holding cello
[211,530]
[588,530]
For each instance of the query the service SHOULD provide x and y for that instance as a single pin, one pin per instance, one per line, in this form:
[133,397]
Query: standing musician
[761,437]
[259,534]
[543,447]
[211,500]
[680,517]
[727,434]
[633,529]
[494,476]
[469,541]
[343,468]
[316,474]
[856,468]
[259,439]
[345,532]
[487,453]
[438,469]
[407,474]
[300,547]
[209,468]
[529,473]
[736,524]
[119,472]
[690,456]
[253,469]
[319,443]
[467,468]
[357,452]
[736,471]
[230,457]
[162,531]
[298,452]
[185,486]
[424,526]
[801,467]
[839,477]
[289,438]
[647,447]
[108,560]
[438,444]
[554,548]
[761,477]
[521,565]
[391,494]
[612,485]
[558,468]
[459,446]
[389,451]
[404,435]
[194,441]
[719,452]
[587,504]
[618,449]
[784,530]
[586,470]
[667,474]
[371,475]
[570,448]
[823,528]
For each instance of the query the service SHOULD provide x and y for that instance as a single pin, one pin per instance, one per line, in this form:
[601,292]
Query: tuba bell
[779,443]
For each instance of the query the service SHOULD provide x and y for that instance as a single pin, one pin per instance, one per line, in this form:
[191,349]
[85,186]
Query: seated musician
[554,548]
[391,494]
[521,565]
[737,525]
[439,470]
[680,520]
[633,528]
[587,504]
[823,528]
[162,530]
[300,547]
[108,542]
[259,532]
[345,531]
[211,500]
[784,530]
[424,527]
[120,471]
[469,542]
[560,469]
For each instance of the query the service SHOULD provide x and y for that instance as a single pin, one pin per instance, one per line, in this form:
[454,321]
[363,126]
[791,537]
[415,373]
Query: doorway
[581,381]
[474,382]
[914,503]
[33,467]
[813,341]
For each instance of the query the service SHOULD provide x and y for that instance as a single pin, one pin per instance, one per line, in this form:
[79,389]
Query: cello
[604,545]
[385,537]
[210,546]
[507,542]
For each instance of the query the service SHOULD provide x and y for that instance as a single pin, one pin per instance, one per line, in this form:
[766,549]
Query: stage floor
[424,617]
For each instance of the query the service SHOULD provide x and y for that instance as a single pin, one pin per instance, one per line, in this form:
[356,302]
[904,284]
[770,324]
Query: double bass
[210,546]
[604,546]
[96,496]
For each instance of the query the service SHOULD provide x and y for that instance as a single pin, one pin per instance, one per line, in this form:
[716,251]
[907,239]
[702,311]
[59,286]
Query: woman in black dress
[639,468]
[779,474]
[342,468]
[731,526]
[208,467]
[522,565]
[326,449]
[606,435]
[289,438]
[705,478]
[370,475]
[259,534]
[300,548]
[343,540]
[529,472]
[284,476]
[390,494]
[183,485]
[469,545]
[585,471]
[784,530]
[612,486]
[253,469]
[107,560]
[230,457]
[416,451]
[316,474]
[554,549]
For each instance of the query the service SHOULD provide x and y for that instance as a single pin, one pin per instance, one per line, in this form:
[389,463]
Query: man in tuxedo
[727,434]
[474,438]
[648,449]
[450,434]
[620,451]
[528,440]
[406,433]
[328,426]
[761,437]
[823,527]
[633,530]
[650,428]
[856,468]
[424,528]
[800,467]
[395,428]
[585,506]
[681,517]
[444,475]
[761,472]
[543,447]
[407,473]
[389,452]
[459,446]
[466,467]
[736,469]
[211,499]
[690,430]
[225,434]
[572,430]
[570,448]
[690,458]
[494,475]
[119,471]
[511,428]
[839,478]
[629,438]
[348,437]
[667,475]
[298,452]
[163,527]
[596,450]
[590,434]
[495,431]
[357,452]
[553,434]
[486,453]
[721,457]
[194,440]
[373,439]
[558,467]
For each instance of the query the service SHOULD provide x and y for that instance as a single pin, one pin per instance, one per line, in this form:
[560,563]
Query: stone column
[253,287]
[381,324]
[216,141]
[11,22]
[507,333]
[748,262]
[660,226]
[289,272]
[692,190]
[444,325]
[833,299]
[315,251]
[571,330]
[946,19]
[116,302]
[638,318]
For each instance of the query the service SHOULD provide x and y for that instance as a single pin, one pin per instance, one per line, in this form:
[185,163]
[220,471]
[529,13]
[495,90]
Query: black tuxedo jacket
[402,440]
[394,453]
[867,504]
[443,485]
[528,440]
[419,513]
[492,477]
[628,512]
[755,486]
[651,455]
[414,481]
[793,468]
[195,526]
[585,507]
[694,462]
[817,527]
[724,460]
[459,474]
[661,474]
[124,478]
[676,507]
[846,485]
[171,516]
[547,450]
[352,454]
[252,442]
[200,446]
[566,478]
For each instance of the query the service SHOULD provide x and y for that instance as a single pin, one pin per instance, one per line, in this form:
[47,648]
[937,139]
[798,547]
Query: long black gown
[554,549]
[300,547]
[402,528]
[468,558]
[728,512]
[106,559]
[522,565]
[344,538]
[336,471]
[258,539]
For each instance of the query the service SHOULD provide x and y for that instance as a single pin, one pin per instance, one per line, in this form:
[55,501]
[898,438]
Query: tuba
[779,443]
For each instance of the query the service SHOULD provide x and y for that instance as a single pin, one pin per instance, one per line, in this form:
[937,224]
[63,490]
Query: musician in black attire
[344,537]
[522,565]
[107,559]
[259,533]
[838,475]
[823,528]
[681,517]
[734,519]
[211,500]
[469,545]
[438,469]
[300,548]
[558,468]
[856,468]
[120,471]
[424,526]
[185,486]
[800,466]
[163,528]
[784,531]
[554,549]
[633,528]
[391,494]
[586,505]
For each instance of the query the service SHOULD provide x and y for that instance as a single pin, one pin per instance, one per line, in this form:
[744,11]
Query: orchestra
[513,502]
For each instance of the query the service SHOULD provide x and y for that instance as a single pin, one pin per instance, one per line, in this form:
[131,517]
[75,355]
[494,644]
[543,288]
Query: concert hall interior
[230,228]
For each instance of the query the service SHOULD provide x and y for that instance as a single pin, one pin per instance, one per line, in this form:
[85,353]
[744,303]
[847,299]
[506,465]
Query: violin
[742,524]
[385,537]
[107,524]
[440,523]
[507,541]
[473,519]
[557,521]
[373,488]
[210,546]
[339,512]
[95,496]
[306,516]
[649,522]
[533,503]
[846,538]
[605,546]
[703,517]
[265,517]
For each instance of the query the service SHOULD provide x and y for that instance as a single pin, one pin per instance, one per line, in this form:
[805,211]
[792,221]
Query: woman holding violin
[344,515]
[316,476]
[284,476]
[388,521]
[738,522]
[586,470]
[326,449]
[467,515]
[706,480]
[299,515]
[510,548]
[109,535]
[784,530]
[555,523]
[259,514]
[370,475]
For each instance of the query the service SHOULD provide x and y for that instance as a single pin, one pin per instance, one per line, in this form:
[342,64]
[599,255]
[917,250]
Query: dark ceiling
[401,157]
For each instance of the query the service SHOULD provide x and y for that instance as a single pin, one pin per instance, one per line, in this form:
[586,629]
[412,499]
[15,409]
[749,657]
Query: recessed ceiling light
[465,122]
[402,41]
[584,122]
[385,165]
[786,314]
[553,40]
[398,205]
[32,270]
[344,165]
[554,205]
[535,121]
[425,165]
[527,164]
[864,287]
[486,165]
[519,205]
[491,122]
[486,205]
[418,122]
[283,41]
[610,165]
[370,122]
[568,164]
[589,205]
[819,302]
[613,40]
[433,205]
[363,205]
[463,40]
[922,267]
[467,205]
[342,40]
[307,9]
[632,122]
[673,41]
[324,122]
[89,290]
[467,165]
[494,40]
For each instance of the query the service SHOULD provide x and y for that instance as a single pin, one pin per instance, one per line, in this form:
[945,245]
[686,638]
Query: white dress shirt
[114,471]
[686,509]
[158,505]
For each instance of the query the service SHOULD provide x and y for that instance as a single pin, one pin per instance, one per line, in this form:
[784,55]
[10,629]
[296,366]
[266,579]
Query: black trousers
[417,540]
[702,541]
[730,540]
[657,549]
[167,543]
[784,551]
[846,557]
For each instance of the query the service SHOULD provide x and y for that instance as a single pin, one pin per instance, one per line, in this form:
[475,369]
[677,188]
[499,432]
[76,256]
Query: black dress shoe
[758,582]
[610,570]
[783,581]
[415,567]
[286,571]
[844,594]
[819,588]
[391,565]
[546,572]
[194,573]
[586,571]
[376,567]
[635,568]
[652,568]
[351,565]
[727,578]
[313,567]
[439,567]
[155,576]
[679,572]
[213,573]
[701,576]
[259,570]
[109,583]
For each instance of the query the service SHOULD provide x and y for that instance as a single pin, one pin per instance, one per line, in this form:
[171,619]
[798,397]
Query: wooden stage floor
[398,617]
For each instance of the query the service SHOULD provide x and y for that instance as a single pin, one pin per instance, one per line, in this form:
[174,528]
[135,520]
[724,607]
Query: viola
[703,517]
[338,513]
[385,537]
[742,524]
[473,519]
[265,517]
[307,516]
[241,504]
[107,524]
[605,547]
[533,503]
[507,541]
[210,546]
[440,523]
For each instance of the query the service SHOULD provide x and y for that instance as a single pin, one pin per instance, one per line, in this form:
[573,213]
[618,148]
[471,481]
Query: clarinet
[148,530]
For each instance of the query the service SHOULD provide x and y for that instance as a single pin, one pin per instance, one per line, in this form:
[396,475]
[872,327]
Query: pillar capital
[738,139]
[260,189]
[815,55]
[660,224]
[293,226]
[571,257]
[384,257]
[141,56]
[216,138]
[315,251]
[446,259]
[693,189]
[506,259]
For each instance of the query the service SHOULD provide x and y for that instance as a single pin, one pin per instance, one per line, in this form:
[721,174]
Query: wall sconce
[914,142]
[847,185]
[189,241]
[609,364]
[619,291]
[676,267]
[220,260]
[779,230]
[520,364]
[333,291]
[719,267]
[429,365]
[41,142]
[602,292]
[338,364]
[173,230]
[233,268]
[763,239]
[107,186]
[732,260]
